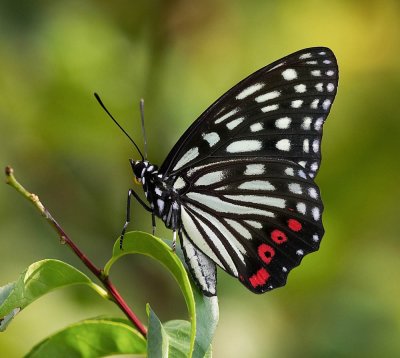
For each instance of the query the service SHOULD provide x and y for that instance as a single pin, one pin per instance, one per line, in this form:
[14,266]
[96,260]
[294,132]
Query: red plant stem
[99,274]
[86,261]
[124,307]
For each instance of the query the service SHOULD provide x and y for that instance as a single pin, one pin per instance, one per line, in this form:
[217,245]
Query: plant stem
[112,291]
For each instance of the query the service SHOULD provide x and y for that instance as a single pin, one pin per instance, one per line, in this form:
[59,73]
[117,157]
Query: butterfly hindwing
[202,268]
[277,111]
[256,218]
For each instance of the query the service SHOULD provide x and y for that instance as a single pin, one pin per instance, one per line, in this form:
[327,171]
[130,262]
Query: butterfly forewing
[254,217]
[277,111]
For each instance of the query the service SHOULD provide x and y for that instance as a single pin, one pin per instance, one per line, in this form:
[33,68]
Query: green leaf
[207,314]
[178,334]
[157,339]
[91,338]
[37,280]
[146,244]
[171,340]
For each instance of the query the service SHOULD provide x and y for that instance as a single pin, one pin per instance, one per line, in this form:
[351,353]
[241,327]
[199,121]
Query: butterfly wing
[244,173]
[277,111]
[256,218]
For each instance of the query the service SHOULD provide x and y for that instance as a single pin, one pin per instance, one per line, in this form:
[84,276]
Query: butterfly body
[162,197]
[238,187]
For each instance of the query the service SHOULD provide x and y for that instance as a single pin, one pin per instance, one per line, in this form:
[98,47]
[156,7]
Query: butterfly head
[141,168]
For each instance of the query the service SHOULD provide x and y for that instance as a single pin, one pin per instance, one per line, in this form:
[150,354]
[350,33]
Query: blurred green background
[180,56]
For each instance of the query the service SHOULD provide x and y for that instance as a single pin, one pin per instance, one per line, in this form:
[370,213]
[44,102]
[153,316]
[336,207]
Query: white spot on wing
[226,116]
[313,193]
[254,169]
[314,103]
[306,146]
[330,87]
[306,125]
[267,96]
[326,104]
[256,185]
[210,178]
[179,183]
[315,238]
[233,124]
[283,123]
[244,146]
[300,252]
[289,74]
[257,199]
[270,108]
[296,103]
[187,157]
[330,73]
[250,90]
[283,144]
[301,172]
[212,138]
[305,55]
[315,213]
[256,127]
[289,171]
[300,88]
[303,163]
[315,145]
[314,166]
[301,208]
[295,188]
[318,123]
[316,73]
[319,87]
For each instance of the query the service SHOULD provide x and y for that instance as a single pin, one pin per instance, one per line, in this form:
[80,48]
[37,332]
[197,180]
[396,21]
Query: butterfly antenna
[143,127]
[115,121]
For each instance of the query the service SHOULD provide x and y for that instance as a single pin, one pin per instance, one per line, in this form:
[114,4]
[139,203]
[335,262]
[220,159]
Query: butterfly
[238,187]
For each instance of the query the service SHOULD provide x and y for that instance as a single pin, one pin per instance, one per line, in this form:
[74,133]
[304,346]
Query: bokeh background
[180,56]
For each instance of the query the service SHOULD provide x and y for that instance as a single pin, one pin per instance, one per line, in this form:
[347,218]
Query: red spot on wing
[294,225]
[278,236]
[259,278]
[266,253]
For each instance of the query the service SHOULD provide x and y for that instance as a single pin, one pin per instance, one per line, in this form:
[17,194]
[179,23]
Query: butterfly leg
[153,222]
[131,193]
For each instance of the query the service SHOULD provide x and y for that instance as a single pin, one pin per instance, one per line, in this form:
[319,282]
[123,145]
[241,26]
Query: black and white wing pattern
[244,172]
[278,111]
